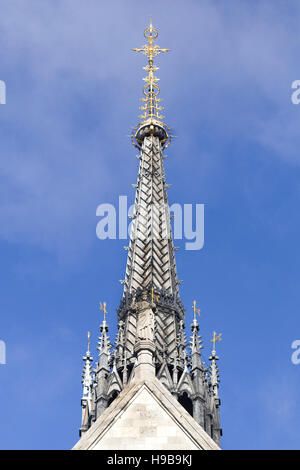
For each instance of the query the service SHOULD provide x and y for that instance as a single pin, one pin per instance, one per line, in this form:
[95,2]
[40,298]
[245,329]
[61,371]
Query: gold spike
[103,309]
[196,310]
[151,90]
[216,338]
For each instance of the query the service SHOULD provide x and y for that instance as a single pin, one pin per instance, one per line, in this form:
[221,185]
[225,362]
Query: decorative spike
[120,340]
[196,346]
[196,341]
[151,116]
[196,310]
[87,382]
[175,371]
[125,370]
[104,344]
[213,370]
[103,309]
[181,343]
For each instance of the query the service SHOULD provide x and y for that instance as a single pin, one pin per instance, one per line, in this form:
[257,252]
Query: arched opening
[112,397]
[186,402]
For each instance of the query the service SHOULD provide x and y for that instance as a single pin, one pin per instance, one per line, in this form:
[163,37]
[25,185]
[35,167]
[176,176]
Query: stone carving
[145,317]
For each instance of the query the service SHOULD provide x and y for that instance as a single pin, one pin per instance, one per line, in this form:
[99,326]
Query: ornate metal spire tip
[196,311]
[102,307]
[151,119]
[215,339]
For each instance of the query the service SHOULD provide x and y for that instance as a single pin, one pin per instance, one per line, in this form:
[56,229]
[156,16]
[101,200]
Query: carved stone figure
[145,317]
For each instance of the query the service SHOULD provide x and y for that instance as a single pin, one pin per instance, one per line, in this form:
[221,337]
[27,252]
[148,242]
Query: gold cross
[150,49]
[151,90]
[151,108]
[196,310]
[216,338]
[103,308]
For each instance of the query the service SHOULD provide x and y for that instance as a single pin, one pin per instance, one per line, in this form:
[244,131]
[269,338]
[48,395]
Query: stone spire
[103,367]
[104,344]
[196,342]
[213,370]
[216,431]
[151,260]
[151,263]
[151,344]
[87,382]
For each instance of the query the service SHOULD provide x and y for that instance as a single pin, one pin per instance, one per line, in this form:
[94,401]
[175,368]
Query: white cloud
[230,68]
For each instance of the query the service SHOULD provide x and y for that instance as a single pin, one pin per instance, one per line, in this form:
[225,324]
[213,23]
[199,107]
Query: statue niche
[144,311]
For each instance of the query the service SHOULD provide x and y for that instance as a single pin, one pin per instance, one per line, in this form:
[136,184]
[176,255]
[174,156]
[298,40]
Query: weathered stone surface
[146,416]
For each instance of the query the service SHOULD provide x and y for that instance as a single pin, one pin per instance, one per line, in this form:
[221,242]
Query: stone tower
[152,390]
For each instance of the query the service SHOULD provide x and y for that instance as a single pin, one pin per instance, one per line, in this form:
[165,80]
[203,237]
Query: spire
[87,381]
[213,370]
[196,342]
[151,340]
[151,119]
[104,342]
[102,308]
[120,339]
[151,265]
[151,260]
[181,345]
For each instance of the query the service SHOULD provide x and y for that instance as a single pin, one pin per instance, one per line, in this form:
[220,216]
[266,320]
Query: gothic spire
[196,342]
[104,345]
[213,370]
[151,260]
[87,381]
[151,339]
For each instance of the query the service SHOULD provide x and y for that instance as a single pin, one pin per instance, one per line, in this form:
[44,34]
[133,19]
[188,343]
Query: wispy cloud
[73,90]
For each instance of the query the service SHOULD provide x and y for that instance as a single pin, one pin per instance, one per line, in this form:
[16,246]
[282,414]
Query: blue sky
[73,89]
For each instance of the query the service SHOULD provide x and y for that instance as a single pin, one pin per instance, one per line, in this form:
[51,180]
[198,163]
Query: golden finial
[103,309]
[151,103]
[154,296]
[196,310]
[216,338]
[89,335]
